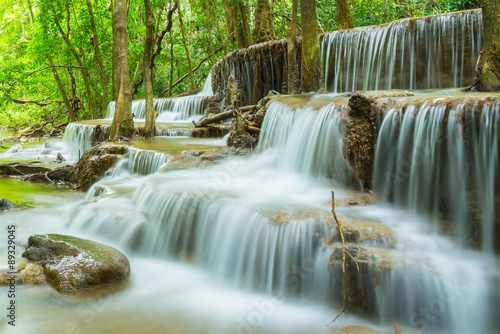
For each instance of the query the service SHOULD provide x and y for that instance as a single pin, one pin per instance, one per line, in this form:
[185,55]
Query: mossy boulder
[72,265]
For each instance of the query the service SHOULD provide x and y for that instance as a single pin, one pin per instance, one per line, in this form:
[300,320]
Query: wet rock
[27,273]
[72,265]
[6,205]
[361,136]
[95,162]
[61,173]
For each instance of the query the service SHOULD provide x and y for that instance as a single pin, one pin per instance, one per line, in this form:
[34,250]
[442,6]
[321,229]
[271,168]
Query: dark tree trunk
[67,103]
[186,48]
[264,27]
[343,14]
[150,128]
[230,22]
[488,68]
[293,80]
[311,71]
[123,122]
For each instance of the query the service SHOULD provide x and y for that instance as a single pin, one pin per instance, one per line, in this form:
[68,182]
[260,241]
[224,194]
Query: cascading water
[79,137]
[392,56]
[174,109]
[438,160]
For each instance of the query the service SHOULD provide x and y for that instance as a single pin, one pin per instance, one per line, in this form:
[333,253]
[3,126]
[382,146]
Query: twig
[344,252]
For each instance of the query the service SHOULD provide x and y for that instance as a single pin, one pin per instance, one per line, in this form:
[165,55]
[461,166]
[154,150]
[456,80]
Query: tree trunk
[185,43]
[171,64]
[488,67]
[245,35]
[85,73]
[209,28]
[67,104]
[147,72]
[343,14]
[230,22]
[123,122]
[264,27]
[293,81]
[97,51]
[311,72]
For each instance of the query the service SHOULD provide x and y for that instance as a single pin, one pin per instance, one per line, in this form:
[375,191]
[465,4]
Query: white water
[406,54]
[422,163]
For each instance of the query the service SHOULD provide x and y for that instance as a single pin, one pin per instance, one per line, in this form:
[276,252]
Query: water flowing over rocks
[72,265]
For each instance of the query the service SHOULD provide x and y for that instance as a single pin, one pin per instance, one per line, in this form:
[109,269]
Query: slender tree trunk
[343,14]
[85,73]
[245,32]
[184,42]
[293,80]
[488,66]
[264,27]
[147,72]
[123,122]
[171,64]
[67,104]
[221,35]
[230,22]
[311,71]
[30,8]
[209,28]
[97,51]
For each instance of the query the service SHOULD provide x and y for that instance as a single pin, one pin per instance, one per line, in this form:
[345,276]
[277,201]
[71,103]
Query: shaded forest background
[57,50]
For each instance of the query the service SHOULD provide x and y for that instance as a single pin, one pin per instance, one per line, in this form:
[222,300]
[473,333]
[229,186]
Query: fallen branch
[344,252]
[43,125]
[41,104]
[213,119]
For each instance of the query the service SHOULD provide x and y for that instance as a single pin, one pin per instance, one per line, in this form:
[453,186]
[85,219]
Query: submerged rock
[72,265]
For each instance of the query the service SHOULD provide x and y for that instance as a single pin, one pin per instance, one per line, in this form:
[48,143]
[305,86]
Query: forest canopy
[56,55]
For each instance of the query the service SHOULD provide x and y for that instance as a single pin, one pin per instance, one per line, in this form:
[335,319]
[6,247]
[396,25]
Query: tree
[311,71]
[264,27]
[488,66]
[123,122]
[147,73]
[293,67]
[343,14]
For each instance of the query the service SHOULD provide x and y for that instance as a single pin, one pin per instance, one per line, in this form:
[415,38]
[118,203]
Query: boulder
[72,265]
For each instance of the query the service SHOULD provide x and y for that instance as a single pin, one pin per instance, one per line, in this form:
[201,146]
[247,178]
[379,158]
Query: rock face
[72,265]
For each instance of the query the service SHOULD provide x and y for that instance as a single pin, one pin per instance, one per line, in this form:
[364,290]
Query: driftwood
[222,117]
[35,130]
[253,129]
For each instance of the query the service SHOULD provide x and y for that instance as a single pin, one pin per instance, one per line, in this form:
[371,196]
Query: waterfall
[173,109]
[308,141]
[207,87]
[79,137]
[434,159]
[145,162]
[429,52]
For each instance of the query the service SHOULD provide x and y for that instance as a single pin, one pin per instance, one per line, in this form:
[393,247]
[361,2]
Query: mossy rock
[72,265]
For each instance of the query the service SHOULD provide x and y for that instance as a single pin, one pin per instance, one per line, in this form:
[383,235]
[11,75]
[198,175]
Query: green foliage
[29,36]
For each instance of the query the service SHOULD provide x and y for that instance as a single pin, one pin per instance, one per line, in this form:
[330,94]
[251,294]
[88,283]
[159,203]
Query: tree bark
[293,82]
[150,127]
[209,28]
[230,22]
[67,104]
[98,57]
[123,122]
[311,72]
[264,27]
[488,67]
[245,34]
[184,42]
[171,65]
[343,14]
